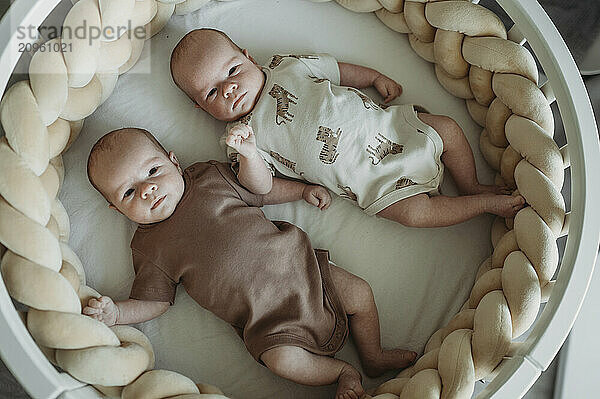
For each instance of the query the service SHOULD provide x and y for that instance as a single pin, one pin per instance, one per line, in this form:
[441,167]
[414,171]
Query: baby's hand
[317,196]
[387,87]
[241,138]
[102,309]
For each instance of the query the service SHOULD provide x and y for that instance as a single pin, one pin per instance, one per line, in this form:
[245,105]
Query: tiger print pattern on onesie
[330,140]
[347,193]
[367,102]
[276,60]
[404,182]
[318,80]
[283,100]
[383,149]
[285,162]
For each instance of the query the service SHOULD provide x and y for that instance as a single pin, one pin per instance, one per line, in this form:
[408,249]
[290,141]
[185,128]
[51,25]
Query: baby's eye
[152,171]
[211,92]
[128,193]
[232,70]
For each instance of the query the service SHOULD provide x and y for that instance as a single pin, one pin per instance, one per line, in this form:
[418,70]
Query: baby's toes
[519,201]
[412,356]
[504,190]
[350,395]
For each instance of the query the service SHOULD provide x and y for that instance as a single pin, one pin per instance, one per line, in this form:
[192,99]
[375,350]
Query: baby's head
[136,175]
[217,75]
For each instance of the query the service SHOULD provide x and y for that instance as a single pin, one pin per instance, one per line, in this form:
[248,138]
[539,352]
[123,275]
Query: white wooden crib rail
[566,86]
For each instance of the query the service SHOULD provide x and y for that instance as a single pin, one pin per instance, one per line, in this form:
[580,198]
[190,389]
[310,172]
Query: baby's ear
[175,161]
[245,52]
[111,206]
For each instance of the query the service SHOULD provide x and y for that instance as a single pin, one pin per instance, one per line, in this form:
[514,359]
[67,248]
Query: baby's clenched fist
[388,88]
[241,138]
[317,196]
[102,309]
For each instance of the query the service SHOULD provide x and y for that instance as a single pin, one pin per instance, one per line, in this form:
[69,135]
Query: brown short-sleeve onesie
[261,277]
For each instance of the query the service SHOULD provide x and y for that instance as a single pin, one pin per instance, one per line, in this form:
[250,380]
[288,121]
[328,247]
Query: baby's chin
[246,109]
[234,117]
[154,217]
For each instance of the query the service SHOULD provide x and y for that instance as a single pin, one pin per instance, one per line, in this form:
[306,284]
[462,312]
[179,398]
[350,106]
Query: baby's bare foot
[349,384]
[394,359]
[505,205]
[486,189]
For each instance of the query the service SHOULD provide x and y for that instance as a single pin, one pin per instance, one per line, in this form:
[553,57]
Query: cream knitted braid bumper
[473,60]
[498,79]
[41,118]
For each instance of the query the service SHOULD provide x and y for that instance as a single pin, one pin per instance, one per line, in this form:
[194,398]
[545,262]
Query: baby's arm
[360,77]
[255,176]
[284,190]
[124,312]
[253,173]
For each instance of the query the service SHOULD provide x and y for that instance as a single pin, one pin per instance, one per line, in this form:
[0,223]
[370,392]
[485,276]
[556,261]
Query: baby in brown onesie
[201,228]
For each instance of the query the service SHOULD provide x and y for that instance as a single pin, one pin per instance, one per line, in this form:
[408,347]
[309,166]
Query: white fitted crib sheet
[420,277]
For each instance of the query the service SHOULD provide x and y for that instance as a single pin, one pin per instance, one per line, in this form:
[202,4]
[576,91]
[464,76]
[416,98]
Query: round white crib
[524,364]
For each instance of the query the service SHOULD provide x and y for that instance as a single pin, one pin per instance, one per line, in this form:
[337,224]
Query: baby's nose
[147,189]
[229,89]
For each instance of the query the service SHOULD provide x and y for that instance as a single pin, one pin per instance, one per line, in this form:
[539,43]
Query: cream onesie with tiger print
[309,127]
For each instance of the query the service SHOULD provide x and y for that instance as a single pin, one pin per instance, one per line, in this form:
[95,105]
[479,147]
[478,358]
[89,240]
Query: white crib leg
[547,290]
[515,35]
[564,151]
[565,228]
[548,92]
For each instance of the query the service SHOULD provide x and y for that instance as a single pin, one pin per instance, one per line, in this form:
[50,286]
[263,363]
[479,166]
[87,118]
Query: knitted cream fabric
[473,60]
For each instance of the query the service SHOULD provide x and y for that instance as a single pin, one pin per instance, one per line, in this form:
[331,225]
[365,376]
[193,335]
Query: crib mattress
[420,277]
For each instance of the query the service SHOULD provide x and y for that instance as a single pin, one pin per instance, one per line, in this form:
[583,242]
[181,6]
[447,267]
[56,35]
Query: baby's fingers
[95,303]
[233,141]
[392,94]
[91,311]
[326,202]
[385,93]
[324,199]
[398,89]
[321,205]
[241,130]
[104,300]
[313,200]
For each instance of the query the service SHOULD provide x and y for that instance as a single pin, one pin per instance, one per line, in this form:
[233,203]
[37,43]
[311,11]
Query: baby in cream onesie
[309,121]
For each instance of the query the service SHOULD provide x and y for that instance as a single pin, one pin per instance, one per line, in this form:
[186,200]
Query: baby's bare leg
[440,211]
[359,303]
[457,156]
[301,366]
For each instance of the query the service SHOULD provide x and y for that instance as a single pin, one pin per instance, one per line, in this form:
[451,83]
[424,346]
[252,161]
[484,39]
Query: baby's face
[140,180]
[223,81]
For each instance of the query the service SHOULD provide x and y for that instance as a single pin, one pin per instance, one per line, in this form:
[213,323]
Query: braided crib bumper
[475,59]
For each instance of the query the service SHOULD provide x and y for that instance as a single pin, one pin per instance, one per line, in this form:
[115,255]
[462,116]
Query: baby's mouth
[158,202]
[237,102]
